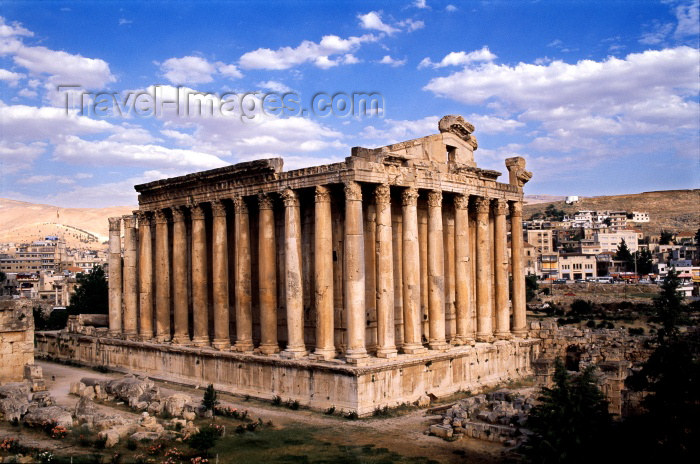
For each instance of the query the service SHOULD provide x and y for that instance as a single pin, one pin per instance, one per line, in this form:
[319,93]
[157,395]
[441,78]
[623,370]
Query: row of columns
[131,285]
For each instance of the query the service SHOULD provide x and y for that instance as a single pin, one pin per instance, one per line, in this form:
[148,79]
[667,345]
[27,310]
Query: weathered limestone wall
[314,384]
[16,339]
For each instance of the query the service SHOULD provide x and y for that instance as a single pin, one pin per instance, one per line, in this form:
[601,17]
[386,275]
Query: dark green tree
[665,237]
[91,293]
[644,263]
[204,440]
[552,212]
[607,221]
[571,423]
[531,287]
[623,254]
[210,400]
[697,237]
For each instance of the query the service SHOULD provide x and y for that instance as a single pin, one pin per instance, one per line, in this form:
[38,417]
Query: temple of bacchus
[360,284]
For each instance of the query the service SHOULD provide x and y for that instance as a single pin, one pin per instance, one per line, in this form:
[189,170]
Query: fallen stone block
[442,431]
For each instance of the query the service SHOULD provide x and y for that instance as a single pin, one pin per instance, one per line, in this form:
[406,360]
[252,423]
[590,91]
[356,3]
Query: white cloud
[373,21]
[450,8]
[14,29]
[40,179]
[10,77]
[420,4]
[124,21]
[274,86]
[658,33]
[229,70]
[688,16]
[410,25]
[318,53]
[460,58]
[196,70]
[393,62]
[15,156]
[26,93]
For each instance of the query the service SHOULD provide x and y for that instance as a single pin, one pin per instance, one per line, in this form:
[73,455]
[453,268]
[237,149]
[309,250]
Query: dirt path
[403,434]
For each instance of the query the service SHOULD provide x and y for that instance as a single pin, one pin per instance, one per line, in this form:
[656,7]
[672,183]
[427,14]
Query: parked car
[560,281]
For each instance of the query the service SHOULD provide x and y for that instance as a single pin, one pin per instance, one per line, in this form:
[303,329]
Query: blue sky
[600,97]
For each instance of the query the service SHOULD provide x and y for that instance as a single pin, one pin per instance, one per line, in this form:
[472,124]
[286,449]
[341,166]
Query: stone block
[442,431]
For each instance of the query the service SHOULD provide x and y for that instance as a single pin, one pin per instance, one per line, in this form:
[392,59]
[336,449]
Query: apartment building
[575,266]
[541,239]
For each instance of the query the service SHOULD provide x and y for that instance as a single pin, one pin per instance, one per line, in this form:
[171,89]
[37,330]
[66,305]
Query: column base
[387,352]
[503,335]
[131,336]
[162,338]
[244,346]
[269,348]
[324,354]
[115,333]
[221,344]
[294,352]
[439,345]
[200,341]
[484,337]
[413,348]
[182,340]
[145,337]
[464,340]
[520,333]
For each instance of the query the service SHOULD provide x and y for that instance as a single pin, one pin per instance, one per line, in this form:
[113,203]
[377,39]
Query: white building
[640,217]
[610,241]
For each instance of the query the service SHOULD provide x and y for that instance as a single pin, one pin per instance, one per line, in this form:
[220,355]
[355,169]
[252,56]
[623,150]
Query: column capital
[462,201]
[239,205]
[197,212]
[178,213]
[500,207]
[516,208]
[144,217]
[115,224]
[482,205]
[129,221]
[290,198]
[353,191]
[435,198]
[322,194]
[218,208]
[161,216]
[409,197]
[382,194]
[265,201]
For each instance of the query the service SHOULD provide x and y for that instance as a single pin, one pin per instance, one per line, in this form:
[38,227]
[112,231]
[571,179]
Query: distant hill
[85,227]
[673,210]
[534,199]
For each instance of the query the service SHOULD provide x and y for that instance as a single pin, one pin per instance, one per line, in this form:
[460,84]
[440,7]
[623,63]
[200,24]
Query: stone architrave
[293,283]
[436,273]
[354,273]
[220,292]
[180,282]
[323,275]
[115,276]
[500,244]
[484,329]
[463,274]
[411,274]
[386,347]
[162,277]
[267,275]
[244,310]
[519,308]
[200,294]
[145,277]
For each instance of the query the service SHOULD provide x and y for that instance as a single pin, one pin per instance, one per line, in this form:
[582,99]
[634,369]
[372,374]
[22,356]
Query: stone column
[162,277]
[131,289]
[484,330]
[200,293]
[115,276]
[244,310]
[411,274]
[436,273]
[267,275]
[386,347]
[516,241]
[145,277]
[501,270]
[323,274]
[221,339]
[354,251]
[293,287]
[463,275]
[181,332]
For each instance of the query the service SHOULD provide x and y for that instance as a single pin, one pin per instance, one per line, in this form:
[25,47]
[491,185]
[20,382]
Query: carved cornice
[265,201]
[179,213]
[456,124]
[239,205]
[382,194]
[482,205]
[516,209]
[115,224]
[218,209]
[322,194]
[129,221]
[435,198]
[500,207]
[353,191]
[197,212]
[290,198]
[409,197]
[161,217]
[462,201]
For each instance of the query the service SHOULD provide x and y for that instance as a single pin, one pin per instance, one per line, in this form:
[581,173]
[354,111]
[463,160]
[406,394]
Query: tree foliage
[665,237]
[552,212]
[624,254]
[531,286]
[91,294]
[210,400]
[644,261]
[571,422]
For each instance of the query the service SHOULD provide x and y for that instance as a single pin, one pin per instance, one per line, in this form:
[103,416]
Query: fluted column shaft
[200,294]
[436,273]
[354,253]
[501,270]
[267,275]
[293,283]
[386,346]
[162,277]
[462,271]
[221,339]
[244,311]
[115,276]
[483,273]
[323,273]
[516,240]
[145,277]
[411,274]
[131,289]
[181,331]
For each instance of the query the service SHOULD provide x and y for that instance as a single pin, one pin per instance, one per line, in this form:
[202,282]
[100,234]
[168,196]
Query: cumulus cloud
[373,21]
[196,70]
[10,77]
[274,86]
[13,29]
[460,58]
[688,17]
[16,156]
[393,62]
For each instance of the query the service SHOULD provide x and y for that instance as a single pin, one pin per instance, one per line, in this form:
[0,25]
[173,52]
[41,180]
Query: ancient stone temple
[359,284]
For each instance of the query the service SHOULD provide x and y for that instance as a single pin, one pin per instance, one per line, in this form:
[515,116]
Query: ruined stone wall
[16,339]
